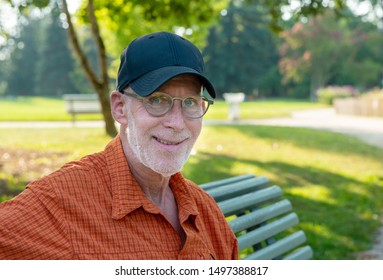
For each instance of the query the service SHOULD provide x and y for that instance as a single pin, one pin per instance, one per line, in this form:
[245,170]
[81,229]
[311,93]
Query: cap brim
[148,83]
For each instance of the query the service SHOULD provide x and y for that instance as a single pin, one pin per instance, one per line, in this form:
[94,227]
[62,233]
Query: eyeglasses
[158,104]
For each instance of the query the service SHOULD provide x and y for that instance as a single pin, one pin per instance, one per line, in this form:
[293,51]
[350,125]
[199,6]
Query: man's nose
[175,117]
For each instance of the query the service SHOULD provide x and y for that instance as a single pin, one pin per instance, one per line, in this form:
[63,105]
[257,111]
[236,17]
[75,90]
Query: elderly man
[130,201]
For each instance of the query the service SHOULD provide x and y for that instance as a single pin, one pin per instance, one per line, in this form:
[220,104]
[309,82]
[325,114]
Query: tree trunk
[110,127]
[100,85]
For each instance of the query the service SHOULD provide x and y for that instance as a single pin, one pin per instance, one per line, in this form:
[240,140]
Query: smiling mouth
[167,142]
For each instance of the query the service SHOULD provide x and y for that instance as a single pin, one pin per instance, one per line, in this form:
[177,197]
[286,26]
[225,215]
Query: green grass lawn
[38,109]
[261,109]
[53,109]
[334,182]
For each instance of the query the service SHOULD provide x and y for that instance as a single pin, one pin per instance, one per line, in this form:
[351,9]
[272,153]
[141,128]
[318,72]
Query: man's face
[163,144]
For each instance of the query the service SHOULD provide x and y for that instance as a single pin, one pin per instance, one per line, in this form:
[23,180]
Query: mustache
[172,137]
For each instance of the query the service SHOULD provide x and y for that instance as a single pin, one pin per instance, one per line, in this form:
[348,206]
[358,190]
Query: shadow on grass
[337,224]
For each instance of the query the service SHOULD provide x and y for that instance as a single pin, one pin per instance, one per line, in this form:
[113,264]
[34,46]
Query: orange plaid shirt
[95,209]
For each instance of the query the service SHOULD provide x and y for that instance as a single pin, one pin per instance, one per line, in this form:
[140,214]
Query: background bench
[81,104]
[260,217]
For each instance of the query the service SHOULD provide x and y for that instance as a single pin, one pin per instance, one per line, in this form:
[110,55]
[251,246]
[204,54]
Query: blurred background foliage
[262,48]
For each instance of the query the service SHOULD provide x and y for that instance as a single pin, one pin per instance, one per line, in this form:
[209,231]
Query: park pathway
[370,130]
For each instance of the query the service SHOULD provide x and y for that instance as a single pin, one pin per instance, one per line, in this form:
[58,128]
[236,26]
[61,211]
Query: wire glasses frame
[158,104]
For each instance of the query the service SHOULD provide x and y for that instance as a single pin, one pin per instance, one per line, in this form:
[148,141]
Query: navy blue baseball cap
[151,60]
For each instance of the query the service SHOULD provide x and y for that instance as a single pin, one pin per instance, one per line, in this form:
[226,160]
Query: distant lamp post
[234,99]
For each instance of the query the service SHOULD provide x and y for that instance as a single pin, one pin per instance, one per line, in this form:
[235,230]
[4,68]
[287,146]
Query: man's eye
[154,100]
[190,102]
[157,100]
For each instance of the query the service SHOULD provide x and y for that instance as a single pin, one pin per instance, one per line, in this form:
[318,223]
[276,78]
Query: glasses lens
[158,104]
[194,107]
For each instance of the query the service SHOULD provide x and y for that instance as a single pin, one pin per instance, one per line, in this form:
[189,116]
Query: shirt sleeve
[32,227]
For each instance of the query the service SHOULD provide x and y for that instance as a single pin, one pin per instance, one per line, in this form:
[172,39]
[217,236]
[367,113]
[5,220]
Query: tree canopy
[241,53]
[327,50]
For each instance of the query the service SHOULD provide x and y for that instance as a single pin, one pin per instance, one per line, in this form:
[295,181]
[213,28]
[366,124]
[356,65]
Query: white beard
[160,161]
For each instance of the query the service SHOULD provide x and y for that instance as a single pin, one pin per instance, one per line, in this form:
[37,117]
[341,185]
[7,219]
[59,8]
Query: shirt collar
[127,194]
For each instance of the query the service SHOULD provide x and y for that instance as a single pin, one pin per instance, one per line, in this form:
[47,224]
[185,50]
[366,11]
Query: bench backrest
[260,217]
[82,103]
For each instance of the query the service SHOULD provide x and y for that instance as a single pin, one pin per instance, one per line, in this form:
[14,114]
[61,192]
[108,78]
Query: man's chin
[165,169]
[165,172]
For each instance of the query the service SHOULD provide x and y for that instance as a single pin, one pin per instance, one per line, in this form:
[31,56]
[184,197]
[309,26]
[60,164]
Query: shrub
[328,94]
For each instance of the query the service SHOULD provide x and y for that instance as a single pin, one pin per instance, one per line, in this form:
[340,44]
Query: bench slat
[81,104]
[211,185]
[248,201]
[238,188]
[260,215]
[303,253]
[266,231]
[278,248]
[80,96]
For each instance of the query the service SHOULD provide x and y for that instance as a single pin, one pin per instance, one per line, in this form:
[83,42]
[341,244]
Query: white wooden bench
[81,104]
[260,217]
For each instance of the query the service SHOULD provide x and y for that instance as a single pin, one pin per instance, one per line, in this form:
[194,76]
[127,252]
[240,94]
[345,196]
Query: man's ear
[117,103]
